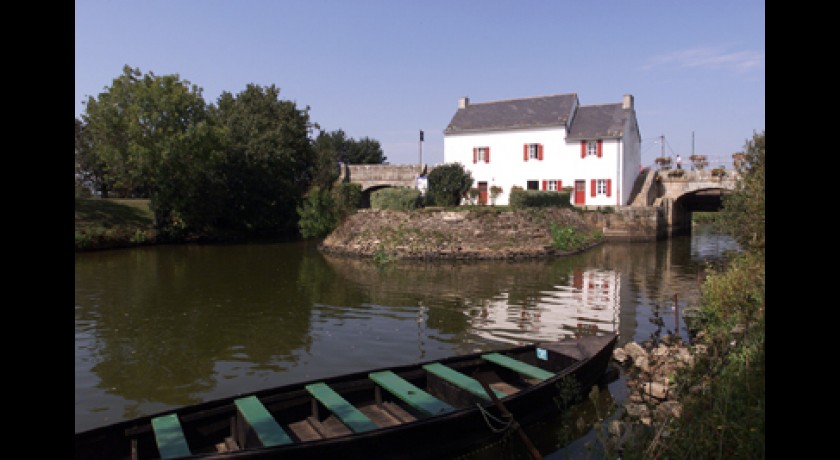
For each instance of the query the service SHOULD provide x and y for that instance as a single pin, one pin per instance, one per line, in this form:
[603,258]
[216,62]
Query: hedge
[538,199]
[399,199]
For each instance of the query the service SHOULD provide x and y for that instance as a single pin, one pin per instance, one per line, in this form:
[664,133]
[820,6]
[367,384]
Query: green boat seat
[525,369]
[349,415]
[410,394]
[170,437]
[268,431]
[460,380]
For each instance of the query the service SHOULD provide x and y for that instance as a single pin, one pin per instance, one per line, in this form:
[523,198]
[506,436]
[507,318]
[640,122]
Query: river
[164,326]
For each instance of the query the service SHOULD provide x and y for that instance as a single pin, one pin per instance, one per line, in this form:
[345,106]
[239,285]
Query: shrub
[538,199]
[317,214]
[347,197]
[448,183]
[400,199]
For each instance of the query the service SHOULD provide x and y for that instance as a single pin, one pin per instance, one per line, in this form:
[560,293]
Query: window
[532,152]
[601,186]
[481,155]
[552,185]
[533,185]
[591,148]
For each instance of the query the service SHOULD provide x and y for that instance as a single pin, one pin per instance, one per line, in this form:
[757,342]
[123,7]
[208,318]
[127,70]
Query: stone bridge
[676,195]
[375,176]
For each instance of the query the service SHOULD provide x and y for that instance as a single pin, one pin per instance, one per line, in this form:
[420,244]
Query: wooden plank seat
[349,415]
[266,428]
[410,394]
[516,365]
[169,437]
[460,380]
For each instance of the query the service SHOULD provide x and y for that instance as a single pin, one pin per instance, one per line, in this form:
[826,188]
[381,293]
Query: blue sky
[386,69]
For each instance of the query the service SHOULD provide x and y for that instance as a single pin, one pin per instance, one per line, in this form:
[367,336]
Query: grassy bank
[112,223]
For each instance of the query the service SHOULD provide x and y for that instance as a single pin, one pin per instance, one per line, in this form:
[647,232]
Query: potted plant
[664,163]
[699,161]
[738,161]
[473,194]
[495,191]
[719,172]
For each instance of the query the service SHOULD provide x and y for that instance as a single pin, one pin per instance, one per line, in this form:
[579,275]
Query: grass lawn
[109,222]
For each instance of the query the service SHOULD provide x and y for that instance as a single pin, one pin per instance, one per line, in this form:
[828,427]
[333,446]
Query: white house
[547,143]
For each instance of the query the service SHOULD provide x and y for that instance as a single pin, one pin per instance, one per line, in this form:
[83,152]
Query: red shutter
[487,155]
[475,154]
[583,149]
[592,190]
[540,152]
[600,144]
[559,185]
[525,152]
[609,187]
[545,185]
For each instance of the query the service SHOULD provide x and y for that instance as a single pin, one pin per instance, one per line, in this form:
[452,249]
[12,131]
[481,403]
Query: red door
[482,193]
[580,192]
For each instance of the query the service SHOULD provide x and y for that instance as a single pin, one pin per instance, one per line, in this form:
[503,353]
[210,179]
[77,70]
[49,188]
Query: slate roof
[599,122]
[532,112]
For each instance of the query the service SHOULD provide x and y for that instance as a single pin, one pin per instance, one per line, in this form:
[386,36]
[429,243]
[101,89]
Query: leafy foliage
[742,215]
[266,161]
[399,199]
[448,183]
[136,125]
[520,199]
[323,209]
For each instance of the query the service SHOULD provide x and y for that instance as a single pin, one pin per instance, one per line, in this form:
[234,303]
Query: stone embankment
[650,371]
[474,234]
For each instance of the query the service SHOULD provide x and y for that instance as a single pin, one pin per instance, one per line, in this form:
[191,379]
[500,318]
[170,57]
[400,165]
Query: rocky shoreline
[440,234]
[650,369]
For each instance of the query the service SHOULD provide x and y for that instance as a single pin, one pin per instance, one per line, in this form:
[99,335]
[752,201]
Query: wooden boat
[427,410]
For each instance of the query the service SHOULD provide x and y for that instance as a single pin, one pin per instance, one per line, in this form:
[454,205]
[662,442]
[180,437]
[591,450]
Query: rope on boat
[485,414]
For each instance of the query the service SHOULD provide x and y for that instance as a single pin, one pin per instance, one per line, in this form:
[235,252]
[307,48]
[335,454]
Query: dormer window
[592,148]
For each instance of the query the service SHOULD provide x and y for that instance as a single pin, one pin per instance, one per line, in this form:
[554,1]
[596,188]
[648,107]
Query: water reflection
[161,327]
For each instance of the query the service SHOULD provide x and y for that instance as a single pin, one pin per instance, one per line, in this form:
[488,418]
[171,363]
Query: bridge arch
[705,199]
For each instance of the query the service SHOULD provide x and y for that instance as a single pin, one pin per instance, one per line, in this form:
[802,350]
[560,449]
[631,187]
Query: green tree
[267,162]
[448,183]
[742,215]
[348,150]
[136,124]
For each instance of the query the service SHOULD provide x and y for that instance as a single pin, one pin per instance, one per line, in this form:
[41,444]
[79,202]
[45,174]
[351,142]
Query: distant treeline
[239,166]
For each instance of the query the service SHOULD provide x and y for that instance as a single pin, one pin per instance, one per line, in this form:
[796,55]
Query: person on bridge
[679,162]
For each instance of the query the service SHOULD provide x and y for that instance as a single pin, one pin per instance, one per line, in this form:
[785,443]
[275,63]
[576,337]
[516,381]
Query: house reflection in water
[590,304]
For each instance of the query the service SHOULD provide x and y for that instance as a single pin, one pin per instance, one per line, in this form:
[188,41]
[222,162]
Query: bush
[347,198]
[448,183]
[317,214]
[399,199]
[538,199]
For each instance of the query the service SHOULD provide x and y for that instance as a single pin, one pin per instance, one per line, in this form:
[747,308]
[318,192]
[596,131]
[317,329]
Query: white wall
[632,158]
[560,161]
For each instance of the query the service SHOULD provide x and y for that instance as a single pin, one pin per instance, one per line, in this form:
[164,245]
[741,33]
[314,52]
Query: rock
[655,389]
[636,410]
[646,421]
[634,350]
[642,363]
[615,428]
[661,350]
[620,355]
[668,409]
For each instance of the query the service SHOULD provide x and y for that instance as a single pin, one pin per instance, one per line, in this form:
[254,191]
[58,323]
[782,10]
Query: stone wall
[630,223]
[436,234]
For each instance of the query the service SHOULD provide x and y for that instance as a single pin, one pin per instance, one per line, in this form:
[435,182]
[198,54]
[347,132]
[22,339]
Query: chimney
[463,102]
[628,102]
